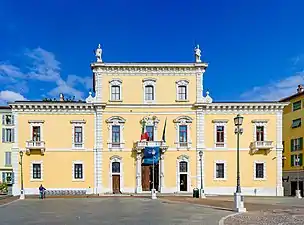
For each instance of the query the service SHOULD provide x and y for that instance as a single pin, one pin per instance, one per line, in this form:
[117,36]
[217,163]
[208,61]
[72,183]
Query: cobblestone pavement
[126,211]
[292,216]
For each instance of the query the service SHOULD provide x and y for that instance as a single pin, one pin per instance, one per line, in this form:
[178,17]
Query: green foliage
[3,187]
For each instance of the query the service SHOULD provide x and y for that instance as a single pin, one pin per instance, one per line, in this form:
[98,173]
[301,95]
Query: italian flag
[144,135]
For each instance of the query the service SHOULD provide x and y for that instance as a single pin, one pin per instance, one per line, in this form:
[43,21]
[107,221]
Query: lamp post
[298,191]
[238,198]
[202,193]
[153,191]
[22,196]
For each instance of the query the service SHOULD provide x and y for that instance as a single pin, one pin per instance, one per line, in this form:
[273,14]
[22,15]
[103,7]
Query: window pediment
[183,158]
[115,158]
[182,82]
[115,82]
[116,120]
[183,120]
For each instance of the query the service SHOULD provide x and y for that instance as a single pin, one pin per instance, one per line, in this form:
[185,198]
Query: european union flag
[148,156]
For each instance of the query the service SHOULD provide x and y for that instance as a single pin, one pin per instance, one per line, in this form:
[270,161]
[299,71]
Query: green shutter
[301,143]
[301,159]
[292,145]
[292,160]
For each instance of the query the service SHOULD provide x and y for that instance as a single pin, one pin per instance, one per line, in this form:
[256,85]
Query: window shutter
[292,160]
[13,135]
[301,143]
[13,120]
[3,177]
[3,135]
[291,145]
[13,178]
[301,159]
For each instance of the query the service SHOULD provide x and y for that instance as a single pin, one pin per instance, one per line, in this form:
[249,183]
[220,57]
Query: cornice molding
[36,107]
[149,69]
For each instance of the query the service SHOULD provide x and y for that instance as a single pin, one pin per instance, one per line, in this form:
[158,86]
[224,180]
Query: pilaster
[15,159]
[138,173]
[162,173]
[98,87]
[279,151]
[98,150]
[200,146]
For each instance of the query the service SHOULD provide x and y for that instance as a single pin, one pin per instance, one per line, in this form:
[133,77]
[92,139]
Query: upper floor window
[220,133]
[296,105]
[149,93]
[115,127]
[7,119]
[115,90]
[78,134]
[36,133]
[220,130]
[260,133]
[7,135]
[182,126]
[296,144]
[296,160]
[182,90]
[149,85]
[296,123]
[150,132]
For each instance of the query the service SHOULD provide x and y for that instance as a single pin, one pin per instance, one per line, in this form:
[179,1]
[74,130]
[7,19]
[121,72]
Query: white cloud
[10,96]
[275,90]
[42,66]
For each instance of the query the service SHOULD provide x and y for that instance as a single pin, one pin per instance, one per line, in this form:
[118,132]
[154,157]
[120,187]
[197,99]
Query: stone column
[138,173]
[279,151]
[162,173]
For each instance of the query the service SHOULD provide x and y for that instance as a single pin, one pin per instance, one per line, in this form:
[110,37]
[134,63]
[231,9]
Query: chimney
[300,88]
[61,97]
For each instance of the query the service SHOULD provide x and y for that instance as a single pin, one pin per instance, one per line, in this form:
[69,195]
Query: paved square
[126,211]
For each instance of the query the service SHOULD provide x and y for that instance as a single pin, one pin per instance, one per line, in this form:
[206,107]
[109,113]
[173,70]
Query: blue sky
[254,49]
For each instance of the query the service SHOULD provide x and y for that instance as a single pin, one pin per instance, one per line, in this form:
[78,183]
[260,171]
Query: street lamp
[22,196]
[298,191]
[202,193]
[153,191]
[238,198]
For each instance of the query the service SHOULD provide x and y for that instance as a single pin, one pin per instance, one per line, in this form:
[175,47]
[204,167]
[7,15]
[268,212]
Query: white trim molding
[116,121]
[115,82]
[259,123]
[183,158]
[264,170]
[184,83]
[73,170]
[225,169]
[149,82]
[32,172]
[116,158]
[222,123]
[186,121]
[279,153]
[78,123]
[150,121]
[36,123]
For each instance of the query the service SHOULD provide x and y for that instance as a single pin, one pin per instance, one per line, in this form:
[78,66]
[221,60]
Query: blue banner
[148,156]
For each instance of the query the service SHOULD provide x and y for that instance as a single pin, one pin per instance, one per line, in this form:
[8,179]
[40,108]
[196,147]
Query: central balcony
[140,145]
[255,146]
[35,145]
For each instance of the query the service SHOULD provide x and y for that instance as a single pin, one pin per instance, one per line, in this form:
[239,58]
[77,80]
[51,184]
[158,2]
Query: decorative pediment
[183,120]
[115,120]
[182,82]
[149,121]
[183,158]
[115,82]
[115,158]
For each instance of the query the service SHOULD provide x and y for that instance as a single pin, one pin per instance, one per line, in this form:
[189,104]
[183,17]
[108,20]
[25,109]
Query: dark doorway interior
[294,187]
[183,182]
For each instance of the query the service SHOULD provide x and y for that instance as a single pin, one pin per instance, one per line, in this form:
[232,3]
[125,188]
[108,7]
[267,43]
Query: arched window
[115,167]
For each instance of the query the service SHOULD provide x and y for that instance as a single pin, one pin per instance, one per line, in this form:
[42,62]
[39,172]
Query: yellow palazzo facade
[95,146]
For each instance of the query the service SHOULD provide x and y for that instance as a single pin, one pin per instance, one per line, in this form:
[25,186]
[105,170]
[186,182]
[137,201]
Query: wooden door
[116,184]
[145,178]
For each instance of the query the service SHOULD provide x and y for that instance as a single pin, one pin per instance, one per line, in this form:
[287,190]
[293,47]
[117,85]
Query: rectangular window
[296,105]
[8,159]
[149,93]
[115,91]
[36,133]
[220,170]
[296,160]
[8,120]
[7,135]
[260,133]
[78,139]
[183,136]
[220,139]
[115,136]
[150,131]
[36,171]
[296,123]
[78,171]
[259,171]
[296,144]
[182,93]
